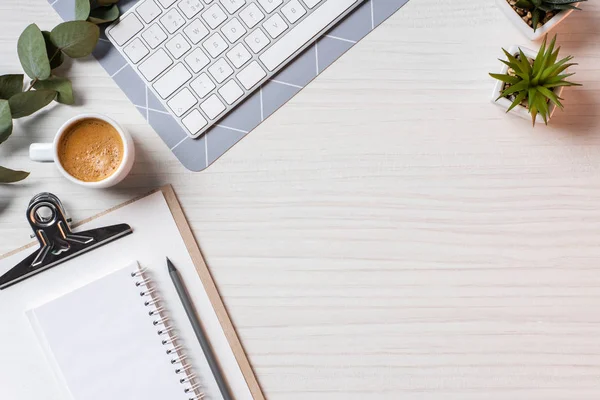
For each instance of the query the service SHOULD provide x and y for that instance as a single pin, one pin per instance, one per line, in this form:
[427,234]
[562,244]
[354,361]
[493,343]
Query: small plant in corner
[40,53]
[533,82]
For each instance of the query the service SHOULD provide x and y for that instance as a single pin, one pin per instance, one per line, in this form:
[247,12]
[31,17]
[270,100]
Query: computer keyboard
[203,57]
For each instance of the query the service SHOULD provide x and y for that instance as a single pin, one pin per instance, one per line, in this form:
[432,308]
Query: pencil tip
[170,265]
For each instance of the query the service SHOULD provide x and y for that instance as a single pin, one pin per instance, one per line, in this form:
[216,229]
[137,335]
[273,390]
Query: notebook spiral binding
[160,320]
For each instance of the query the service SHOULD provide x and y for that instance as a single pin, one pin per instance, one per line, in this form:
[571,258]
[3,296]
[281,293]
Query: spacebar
[304,32]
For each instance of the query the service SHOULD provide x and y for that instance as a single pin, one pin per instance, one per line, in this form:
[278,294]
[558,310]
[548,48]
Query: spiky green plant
[535,81]
[539,8]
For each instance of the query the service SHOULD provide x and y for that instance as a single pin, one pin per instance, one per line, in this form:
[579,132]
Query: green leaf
[75,38]
[55,56]
[10,85]
[514,88]
[551,95]
[61,85]
[6,124]
[517,100]
[506,78]
[11,176]
[26,103]
[102,3]
[536,16]
[103,15]
[32,53]
[82,9]
[524,4]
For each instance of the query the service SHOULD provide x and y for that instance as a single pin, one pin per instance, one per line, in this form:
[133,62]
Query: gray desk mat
[198,154]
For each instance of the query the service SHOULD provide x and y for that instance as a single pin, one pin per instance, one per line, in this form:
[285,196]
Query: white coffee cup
[48,152]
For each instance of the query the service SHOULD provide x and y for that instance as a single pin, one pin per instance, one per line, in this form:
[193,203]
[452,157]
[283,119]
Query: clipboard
[203,273]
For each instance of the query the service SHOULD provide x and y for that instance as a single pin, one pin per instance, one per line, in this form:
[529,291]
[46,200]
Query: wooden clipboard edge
[204,274]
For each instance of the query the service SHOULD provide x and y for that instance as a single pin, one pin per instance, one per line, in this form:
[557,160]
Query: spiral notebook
[112,339]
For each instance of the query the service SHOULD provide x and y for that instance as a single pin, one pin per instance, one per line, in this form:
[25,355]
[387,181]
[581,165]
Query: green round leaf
[104,14]
[26,103]
[55,56]
[82,9]
[10,85]
[32,53]
[11,176]
[5,121]
[61,85]
[75,38]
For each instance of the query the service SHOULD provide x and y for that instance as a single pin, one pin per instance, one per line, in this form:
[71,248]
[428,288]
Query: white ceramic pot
[525,28]
[505,103]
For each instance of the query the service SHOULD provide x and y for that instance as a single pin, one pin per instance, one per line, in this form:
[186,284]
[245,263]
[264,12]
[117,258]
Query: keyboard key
[312,3]
[275,26]
[127,28]
[231,91]
[172,20]
[213,107]
[155,65]
[257,40]
[233,30]
[196,31]
[239,55]
[293,11]
[197,60]
[182,102]
[215,45]
[136,50]
[194,121]
[167,84]
[304,32]
[251,15]
[233,5]
[214,16]
[154,36]
[148,10]
[270,5]
[178,46]
[220,70]
[251,75]
[166,3]
[202,85]
[190,7]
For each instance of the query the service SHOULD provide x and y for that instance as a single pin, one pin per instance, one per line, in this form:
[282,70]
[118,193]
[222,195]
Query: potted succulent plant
[531,83]
[535,18]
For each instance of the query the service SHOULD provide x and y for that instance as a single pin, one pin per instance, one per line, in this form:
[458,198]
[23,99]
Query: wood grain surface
[389,233]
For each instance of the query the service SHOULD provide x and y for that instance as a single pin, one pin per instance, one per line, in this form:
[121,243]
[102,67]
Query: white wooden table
[388,234]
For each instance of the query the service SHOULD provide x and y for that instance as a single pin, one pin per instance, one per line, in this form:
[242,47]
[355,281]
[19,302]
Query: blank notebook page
[104,345]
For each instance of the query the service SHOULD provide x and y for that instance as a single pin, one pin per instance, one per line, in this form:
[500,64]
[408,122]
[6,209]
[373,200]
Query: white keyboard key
[231,91]
[293,11]
[220,70]
[194,121]
[213,107]
[270,5]
[197,60]
[251,15]
[166,3]
[233,30]
[190,7]
[214,16]
[311,3]
[202,85]
[196,31]
[215,45]
[178,46]
[172,20]
[136,50]
[233,5]
[182,102]
[257,40]
[127,28]
[155,65]
[251,75]
[154,36]
[275,26]
[148,10]
[167,84]
[239,55]
[304,32]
